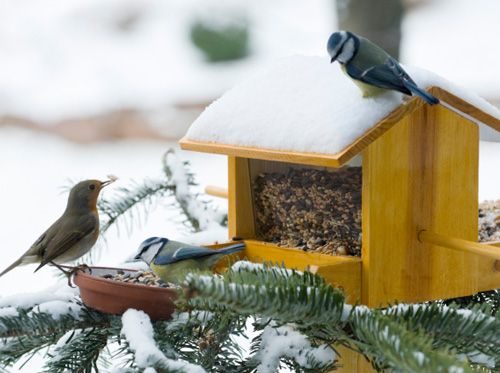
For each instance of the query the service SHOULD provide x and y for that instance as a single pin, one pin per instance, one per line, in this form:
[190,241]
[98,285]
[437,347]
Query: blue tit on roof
[371,68]
[171,260]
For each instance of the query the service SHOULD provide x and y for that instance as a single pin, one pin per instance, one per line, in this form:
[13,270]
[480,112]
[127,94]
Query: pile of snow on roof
[304,104]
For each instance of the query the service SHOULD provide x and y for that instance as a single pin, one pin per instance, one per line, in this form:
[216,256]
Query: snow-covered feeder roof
[305,110]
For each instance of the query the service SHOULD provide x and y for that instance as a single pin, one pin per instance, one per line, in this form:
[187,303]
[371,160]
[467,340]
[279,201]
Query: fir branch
[128,199]
[469,332]
[80,351]
[270,291]
[29,332]
[178,180]
[177,174]
[14,348]
[389,345]
[200,214]
[204,338]
[491,299]
[138,332]
[284,344]
[28,323]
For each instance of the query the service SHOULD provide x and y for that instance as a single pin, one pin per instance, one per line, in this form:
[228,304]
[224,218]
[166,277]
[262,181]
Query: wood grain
[241,222]
[216,191]
[341,271]
[421,174]
[466,108]
[453,243]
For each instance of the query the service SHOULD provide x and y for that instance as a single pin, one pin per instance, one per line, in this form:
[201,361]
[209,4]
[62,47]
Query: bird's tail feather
[232,248]
[12,266]
[426,96]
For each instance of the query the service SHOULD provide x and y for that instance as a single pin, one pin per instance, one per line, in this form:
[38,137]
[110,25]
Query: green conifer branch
[466,331]
[128,199]
[269,291]
[389,345]
[80,352]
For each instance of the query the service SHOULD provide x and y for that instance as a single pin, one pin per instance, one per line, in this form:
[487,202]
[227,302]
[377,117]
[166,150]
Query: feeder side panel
[456,206]
[421,174]
[241,222]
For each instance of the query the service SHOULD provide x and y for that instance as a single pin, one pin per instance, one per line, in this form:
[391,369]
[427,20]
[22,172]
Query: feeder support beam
[459,244]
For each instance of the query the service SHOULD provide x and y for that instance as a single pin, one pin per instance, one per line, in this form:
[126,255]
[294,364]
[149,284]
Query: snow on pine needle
[278,342]
[138,331]
[138,198]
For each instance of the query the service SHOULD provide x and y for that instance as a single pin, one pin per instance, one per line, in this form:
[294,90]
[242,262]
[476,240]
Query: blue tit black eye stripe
[372,69]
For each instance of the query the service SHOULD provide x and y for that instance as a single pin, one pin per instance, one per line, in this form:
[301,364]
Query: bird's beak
[332,60]
[134,259]
[112,179]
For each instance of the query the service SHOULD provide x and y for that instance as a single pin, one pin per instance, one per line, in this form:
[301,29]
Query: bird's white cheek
[347,51]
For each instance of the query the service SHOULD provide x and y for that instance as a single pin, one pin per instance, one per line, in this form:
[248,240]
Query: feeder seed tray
[115,297]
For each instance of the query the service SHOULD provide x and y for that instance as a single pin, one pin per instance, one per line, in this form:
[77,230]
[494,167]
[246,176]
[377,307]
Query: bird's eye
[92,186]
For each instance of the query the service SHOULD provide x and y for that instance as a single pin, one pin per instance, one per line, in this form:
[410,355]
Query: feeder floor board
[341,271]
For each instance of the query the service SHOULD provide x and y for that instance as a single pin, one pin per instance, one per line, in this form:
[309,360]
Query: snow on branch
[270,291]
[200,214]
[284,341]
[138,330]
[29,300]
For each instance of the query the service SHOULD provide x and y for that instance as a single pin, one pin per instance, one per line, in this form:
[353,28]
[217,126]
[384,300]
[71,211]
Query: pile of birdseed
[139,277]
[316,210]
[489,221]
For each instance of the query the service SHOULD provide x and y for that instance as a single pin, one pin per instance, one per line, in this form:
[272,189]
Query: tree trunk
[377,20]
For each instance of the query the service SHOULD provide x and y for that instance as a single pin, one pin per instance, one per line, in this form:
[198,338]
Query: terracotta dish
[115,297]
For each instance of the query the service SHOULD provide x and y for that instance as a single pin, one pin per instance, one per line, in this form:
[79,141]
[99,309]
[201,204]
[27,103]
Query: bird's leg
[81,267]
[69,273]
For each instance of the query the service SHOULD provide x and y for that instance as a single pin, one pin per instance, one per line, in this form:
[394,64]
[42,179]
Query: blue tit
[372,69]
[171,260]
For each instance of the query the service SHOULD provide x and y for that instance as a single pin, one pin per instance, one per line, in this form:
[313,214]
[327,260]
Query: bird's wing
[389,75]
[65,239]
[182,253]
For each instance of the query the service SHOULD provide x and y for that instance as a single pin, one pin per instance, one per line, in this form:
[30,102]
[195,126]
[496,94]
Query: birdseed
[489,221]
[139,277]
[315,210]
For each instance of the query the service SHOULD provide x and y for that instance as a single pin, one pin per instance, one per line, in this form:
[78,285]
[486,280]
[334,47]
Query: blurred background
[93,87]
[97,70]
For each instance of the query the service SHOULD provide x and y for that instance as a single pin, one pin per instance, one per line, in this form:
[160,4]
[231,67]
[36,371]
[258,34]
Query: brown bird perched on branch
[73,234]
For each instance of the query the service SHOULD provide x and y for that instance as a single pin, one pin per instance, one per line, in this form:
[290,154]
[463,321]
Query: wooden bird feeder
[419,204]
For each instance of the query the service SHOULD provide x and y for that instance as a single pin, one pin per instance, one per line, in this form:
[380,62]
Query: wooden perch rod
[459,244]
[216,191]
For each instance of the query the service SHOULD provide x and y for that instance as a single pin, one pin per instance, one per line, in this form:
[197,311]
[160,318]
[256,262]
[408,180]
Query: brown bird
[73,234]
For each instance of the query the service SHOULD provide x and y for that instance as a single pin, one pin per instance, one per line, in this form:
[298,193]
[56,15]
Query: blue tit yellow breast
[176,272]
[367,90]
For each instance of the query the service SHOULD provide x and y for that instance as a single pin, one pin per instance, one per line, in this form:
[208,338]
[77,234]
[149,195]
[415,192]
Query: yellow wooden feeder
[419,193]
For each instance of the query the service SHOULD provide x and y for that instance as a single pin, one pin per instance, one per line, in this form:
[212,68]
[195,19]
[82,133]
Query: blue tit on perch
[171,260]
[371,68]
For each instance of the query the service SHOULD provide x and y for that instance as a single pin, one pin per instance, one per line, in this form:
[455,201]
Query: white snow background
[76,58]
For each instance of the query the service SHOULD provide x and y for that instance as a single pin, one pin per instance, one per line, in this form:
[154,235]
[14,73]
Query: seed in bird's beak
[112,179]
